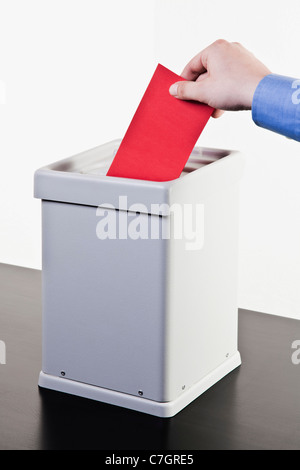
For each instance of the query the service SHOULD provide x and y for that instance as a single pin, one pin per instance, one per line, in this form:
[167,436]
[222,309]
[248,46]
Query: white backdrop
[72,73]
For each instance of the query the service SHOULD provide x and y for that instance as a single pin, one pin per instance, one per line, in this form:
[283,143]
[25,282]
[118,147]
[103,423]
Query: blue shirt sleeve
[276,105]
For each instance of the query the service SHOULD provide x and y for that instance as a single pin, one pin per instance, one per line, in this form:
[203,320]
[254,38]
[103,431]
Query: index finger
[195,67]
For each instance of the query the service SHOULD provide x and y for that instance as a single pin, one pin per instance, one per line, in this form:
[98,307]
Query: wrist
[256,81]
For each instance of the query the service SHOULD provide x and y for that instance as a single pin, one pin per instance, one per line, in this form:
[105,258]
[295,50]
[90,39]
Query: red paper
[162,133]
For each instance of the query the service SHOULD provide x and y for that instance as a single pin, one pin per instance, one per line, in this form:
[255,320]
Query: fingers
[188,90]
[217,113]
[199,64]
[194,91]
[195,67]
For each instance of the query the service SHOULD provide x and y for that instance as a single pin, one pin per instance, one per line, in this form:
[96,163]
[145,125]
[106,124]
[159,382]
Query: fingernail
[173,89]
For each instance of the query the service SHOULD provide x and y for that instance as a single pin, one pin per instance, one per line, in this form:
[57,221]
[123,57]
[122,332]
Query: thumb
[188,90]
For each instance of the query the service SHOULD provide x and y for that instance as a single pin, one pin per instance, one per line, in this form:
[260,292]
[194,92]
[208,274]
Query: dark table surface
[257,406]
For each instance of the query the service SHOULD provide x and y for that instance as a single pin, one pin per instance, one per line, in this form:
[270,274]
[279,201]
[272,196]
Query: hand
[224,76]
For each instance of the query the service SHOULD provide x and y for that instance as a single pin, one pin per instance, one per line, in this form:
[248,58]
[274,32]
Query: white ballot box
[139,280]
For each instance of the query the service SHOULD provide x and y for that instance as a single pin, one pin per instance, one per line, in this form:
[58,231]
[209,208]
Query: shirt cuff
[276,105]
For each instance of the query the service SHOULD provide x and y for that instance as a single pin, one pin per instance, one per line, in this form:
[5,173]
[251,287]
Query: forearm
[276,105]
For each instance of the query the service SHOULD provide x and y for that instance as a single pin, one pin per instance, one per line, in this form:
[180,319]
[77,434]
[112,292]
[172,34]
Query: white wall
[74,72]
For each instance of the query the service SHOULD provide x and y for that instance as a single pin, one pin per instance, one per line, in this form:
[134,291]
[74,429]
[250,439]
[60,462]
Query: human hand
[224,76]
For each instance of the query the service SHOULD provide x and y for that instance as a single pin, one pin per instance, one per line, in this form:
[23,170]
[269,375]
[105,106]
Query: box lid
[81,179]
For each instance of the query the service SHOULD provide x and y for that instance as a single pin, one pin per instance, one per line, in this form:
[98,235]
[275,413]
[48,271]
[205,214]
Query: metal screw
[62,373]
[183,387]
[140,392]
[227,355]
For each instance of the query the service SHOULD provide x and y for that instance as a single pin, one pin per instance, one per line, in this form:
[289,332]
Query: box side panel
[202,278]
[103,301]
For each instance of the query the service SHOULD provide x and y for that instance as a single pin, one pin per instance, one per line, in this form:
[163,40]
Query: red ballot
[162,133]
